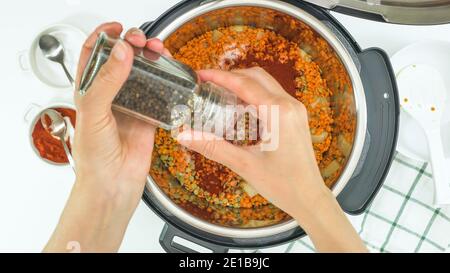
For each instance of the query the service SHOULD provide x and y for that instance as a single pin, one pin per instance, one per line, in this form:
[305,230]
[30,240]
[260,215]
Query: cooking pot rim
[360,104]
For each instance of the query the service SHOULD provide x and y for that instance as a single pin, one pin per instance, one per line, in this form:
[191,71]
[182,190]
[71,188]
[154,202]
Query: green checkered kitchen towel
[402,218]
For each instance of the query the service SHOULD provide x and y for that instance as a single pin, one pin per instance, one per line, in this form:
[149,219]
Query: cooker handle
[146,25]
[168,234]
[383,110]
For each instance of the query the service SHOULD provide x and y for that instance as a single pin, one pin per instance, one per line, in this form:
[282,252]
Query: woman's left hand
[112,152]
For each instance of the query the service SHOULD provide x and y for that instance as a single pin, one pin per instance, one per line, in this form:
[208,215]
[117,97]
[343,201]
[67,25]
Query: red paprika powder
[49,147]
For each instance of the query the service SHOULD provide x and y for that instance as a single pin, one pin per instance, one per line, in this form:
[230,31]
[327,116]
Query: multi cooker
[373,102]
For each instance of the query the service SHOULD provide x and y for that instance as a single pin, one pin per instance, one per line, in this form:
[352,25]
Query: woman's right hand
[288,176]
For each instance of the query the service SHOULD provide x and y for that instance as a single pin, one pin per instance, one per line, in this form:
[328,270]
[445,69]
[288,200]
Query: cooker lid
[414,12]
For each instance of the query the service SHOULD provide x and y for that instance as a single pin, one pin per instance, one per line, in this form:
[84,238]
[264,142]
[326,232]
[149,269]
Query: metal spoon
[57,127]
[54,51]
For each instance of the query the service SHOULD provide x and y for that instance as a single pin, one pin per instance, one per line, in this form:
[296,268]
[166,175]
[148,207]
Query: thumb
[96,103]
[216,149]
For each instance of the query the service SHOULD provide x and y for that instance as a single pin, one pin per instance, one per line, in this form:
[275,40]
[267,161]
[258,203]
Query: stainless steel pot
[188,20]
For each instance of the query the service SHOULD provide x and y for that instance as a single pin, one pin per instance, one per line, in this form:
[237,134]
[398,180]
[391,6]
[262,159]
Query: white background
[33,193]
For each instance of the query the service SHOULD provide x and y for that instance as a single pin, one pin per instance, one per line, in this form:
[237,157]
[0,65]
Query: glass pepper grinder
[163,91]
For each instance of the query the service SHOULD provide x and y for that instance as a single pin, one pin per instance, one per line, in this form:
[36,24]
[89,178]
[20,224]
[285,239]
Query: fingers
[115,71]
[113,29]
[136,37]
[264,78]
[245,87]
[216,149]
[154,49]
[157,45]
[96,104]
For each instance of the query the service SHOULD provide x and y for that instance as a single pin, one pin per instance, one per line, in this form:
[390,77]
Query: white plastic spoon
[423,96]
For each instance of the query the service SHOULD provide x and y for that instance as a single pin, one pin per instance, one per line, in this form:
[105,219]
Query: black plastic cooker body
[381,137]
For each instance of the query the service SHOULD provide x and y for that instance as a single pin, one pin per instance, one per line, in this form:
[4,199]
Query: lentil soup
[211,191]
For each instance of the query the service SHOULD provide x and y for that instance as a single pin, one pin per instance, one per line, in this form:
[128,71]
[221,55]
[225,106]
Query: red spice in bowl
[46,145]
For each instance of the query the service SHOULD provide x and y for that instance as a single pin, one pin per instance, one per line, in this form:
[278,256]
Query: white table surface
[33,193]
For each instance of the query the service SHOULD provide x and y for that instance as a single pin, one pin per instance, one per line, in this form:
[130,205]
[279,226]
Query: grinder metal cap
[94,63]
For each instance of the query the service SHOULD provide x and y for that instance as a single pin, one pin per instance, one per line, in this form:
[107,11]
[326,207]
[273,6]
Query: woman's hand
[288,176]
[112,153]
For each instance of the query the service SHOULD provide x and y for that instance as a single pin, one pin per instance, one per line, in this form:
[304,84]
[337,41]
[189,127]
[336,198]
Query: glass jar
[163,91]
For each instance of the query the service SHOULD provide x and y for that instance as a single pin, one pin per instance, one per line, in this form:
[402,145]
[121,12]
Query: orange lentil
[233,47]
